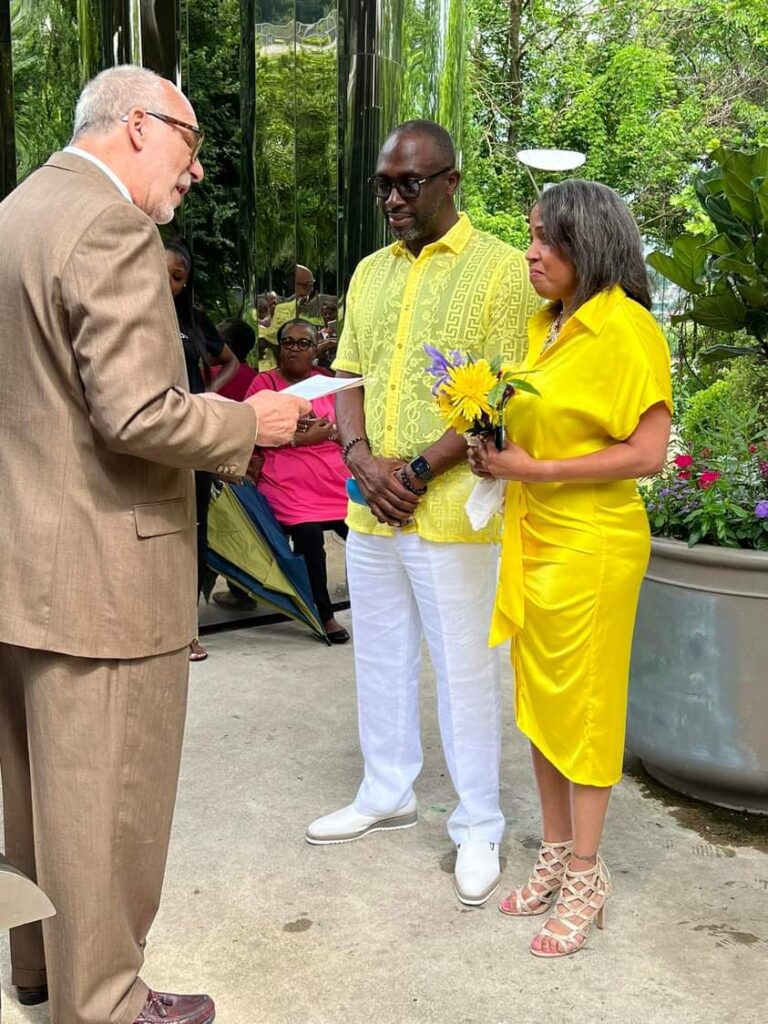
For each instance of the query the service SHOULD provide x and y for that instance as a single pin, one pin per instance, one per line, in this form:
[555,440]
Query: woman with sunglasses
[305,481]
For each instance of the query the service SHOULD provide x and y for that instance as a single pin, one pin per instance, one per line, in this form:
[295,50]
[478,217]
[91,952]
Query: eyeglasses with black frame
[407,188]
[195,146]
[302,344]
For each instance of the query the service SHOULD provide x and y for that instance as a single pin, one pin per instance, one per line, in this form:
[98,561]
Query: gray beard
[421,224]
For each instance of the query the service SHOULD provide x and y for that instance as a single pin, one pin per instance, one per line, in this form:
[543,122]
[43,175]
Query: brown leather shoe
[164,1008]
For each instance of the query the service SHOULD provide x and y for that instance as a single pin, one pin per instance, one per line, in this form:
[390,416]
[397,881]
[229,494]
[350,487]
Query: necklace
[554,331]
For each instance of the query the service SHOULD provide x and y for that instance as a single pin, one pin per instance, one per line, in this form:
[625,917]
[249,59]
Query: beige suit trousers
[89,754]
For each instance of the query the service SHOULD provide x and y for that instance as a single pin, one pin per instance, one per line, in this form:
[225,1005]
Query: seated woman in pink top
[305,481]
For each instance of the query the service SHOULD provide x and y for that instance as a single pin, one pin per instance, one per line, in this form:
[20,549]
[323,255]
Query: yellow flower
[464,396]
[451,415]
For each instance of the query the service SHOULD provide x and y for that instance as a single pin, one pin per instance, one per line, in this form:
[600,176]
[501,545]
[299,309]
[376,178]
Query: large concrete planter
[698,698]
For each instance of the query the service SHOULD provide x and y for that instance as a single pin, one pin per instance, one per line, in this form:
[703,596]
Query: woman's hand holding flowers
[512,463]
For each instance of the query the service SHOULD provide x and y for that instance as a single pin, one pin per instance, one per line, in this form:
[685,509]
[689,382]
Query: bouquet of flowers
[472,393]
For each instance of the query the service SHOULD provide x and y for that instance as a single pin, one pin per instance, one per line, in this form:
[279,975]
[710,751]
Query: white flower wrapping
[486,499]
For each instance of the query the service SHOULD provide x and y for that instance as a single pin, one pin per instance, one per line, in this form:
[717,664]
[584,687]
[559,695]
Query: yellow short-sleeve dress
[574,554]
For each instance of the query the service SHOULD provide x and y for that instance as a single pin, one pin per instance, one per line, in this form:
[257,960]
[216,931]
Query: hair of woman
[185,305]
[303,323]
[590,225]
[239,335]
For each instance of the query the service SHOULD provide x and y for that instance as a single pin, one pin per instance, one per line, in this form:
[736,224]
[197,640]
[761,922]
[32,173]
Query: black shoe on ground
[32,995]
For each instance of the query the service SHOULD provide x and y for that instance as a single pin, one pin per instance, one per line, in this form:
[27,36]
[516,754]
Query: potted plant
[698,713]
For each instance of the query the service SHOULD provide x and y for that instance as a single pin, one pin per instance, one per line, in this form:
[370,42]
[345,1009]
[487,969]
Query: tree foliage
[46,78]
[642,87]
[210,218]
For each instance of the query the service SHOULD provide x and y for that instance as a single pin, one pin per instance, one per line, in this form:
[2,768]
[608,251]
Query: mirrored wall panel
[290,137]
[399,59]
[322,83]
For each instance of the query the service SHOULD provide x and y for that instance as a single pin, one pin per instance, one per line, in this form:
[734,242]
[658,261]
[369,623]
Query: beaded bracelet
[403,478]
[349,446]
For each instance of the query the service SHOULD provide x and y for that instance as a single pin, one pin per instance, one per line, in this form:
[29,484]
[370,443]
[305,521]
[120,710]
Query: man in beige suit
[97,548]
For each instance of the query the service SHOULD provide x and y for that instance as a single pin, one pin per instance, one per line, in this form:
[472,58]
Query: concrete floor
[284,933]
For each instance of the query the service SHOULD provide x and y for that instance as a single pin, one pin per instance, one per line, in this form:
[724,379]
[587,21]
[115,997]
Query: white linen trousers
[402,588]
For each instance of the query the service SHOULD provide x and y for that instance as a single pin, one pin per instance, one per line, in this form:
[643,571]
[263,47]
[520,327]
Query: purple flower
[440,365]
[761,510]
[665,492]
[438,368]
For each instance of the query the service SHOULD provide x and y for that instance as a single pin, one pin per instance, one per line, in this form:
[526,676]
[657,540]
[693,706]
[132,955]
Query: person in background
[267,352]
[304,302]
[576,535]
[326,349]
[263,312]
[240,337]
[203,349]
[203,346]
[305,480]
[267,348]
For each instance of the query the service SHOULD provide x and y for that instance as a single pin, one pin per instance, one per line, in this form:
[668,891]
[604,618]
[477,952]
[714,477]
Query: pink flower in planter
[683,461]
[764,468]
[708,478]
[752,449]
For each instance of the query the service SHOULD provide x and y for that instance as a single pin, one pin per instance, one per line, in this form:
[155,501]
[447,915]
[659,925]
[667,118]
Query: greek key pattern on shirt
[477,300]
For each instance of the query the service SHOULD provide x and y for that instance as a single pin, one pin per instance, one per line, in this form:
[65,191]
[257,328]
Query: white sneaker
[477,874]
[347,824]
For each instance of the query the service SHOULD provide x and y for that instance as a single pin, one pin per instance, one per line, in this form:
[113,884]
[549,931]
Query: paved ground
[284,933]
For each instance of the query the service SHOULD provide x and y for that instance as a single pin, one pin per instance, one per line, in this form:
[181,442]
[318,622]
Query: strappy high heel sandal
[546,879]
[580,905]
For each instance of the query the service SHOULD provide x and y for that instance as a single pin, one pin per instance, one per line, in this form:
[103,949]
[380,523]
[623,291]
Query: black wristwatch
[421,469]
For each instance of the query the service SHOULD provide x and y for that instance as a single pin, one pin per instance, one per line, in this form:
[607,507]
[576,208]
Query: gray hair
[112,93]
[590,225]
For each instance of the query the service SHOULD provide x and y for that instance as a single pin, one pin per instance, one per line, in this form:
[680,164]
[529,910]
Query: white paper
[318,386]
[486,499]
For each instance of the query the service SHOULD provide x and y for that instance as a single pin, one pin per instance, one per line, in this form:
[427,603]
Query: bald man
[100,436]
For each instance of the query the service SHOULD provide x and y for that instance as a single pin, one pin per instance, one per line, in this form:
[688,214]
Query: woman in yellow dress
[576,536]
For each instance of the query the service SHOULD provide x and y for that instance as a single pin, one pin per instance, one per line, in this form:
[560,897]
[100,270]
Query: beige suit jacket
[98,434]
